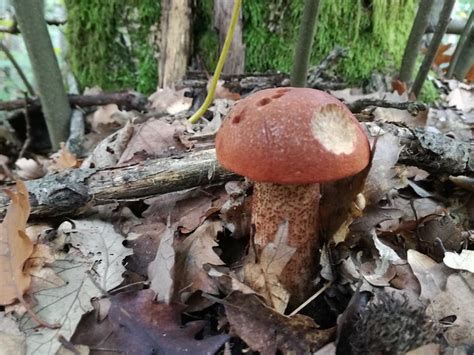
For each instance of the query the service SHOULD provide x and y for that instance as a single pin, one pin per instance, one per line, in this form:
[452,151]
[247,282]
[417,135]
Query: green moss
[375,34]
[429,93]
[206,40]
[109,43]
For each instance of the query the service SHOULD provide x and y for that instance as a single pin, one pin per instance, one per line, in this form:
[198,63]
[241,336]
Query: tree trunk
[175,41]
[443,22]
[413,44]
[235,63]
[48,77]
[466,51]
[305,43]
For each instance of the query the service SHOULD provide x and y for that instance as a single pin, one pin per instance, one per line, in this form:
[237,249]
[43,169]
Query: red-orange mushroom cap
[292,136]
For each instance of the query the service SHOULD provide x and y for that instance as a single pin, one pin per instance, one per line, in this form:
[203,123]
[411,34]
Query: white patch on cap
[334,130]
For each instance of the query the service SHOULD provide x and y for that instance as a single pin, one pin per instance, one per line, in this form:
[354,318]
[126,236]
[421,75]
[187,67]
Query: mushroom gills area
[272,205]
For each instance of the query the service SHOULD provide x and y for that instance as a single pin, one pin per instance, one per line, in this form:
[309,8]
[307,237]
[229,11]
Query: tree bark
[69,192]
[175,41]
[443,22]
[235,63]
[414,40]
[304,43]
[45,69]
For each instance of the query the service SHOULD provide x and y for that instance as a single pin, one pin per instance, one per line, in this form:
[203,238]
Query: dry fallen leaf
[11,339]
[381,177]
[161,269]
[457,299]
[108,152]
[29,169]
[267,331]
[462,99]
[170,101]
[106,119]
[264,276]
[137,325]
[16,246]
[92,266]
[63,160]
[463,261]
[222,92]
[431,275]
[192,254]
[154,138]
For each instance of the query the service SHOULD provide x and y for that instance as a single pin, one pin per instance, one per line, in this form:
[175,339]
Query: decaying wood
[125,100]
[175,40]
[433,152]
[70,191]
[411,106]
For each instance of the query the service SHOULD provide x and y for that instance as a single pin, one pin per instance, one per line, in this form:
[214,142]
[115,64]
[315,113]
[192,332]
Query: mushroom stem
[298,204]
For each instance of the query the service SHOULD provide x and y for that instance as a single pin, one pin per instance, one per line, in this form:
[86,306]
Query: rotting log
[69,192]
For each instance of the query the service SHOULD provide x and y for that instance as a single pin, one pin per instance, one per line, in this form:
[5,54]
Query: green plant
[429,93]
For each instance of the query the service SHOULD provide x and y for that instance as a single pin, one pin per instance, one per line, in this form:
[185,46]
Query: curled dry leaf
[108,152]
[106,119]
[16,246]
[381,177]
[431,275]
[29,169]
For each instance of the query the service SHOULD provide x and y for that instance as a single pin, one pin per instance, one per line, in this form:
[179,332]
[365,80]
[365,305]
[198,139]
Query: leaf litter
[185,279]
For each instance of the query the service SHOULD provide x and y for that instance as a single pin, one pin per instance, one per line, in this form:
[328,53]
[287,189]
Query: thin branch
[15,30]
[27,142]
[20,72]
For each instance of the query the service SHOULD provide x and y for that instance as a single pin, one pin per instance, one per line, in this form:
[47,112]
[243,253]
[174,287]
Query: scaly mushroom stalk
[297,204]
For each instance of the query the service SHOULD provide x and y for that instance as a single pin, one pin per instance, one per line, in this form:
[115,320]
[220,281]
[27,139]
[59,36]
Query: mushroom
[288,140]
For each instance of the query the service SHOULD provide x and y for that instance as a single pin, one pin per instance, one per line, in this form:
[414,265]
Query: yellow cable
[220,64]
